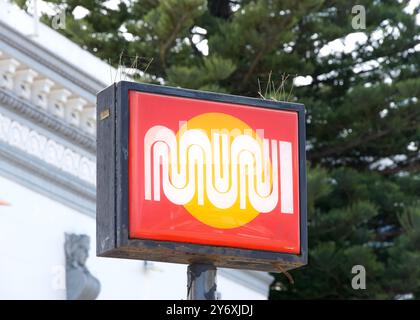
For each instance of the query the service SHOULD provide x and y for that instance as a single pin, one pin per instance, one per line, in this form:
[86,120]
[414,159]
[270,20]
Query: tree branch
[165,46]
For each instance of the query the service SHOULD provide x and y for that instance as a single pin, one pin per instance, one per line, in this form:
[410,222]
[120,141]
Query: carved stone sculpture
[80,284]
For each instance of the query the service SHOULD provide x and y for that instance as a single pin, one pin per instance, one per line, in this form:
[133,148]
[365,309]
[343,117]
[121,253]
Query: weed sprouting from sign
[130,68]
[274,91]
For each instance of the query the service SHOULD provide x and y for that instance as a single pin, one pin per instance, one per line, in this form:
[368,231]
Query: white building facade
[48,89]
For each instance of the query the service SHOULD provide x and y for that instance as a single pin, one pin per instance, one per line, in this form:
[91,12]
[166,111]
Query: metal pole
[201,282]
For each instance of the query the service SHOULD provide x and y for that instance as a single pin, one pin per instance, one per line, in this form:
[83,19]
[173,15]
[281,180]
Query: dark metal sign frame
[112,188]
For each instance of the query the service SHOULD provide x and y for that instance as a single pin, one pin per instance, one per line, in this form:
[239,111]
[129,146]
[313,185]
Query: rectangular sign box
[185,176]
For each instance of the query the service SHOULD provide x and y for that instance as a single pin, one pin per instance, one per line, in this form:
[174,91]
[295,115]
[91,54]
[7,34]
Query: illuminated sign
[187,176]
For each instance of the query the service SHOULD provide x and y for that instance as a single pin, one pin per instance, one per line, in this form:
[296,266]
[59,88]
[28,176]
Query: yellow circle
[207,213]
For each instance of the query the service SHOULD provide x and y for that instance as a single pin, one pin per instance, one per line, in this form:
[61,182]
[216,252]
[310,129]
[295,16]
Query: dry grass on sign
[276,92]
[130,68]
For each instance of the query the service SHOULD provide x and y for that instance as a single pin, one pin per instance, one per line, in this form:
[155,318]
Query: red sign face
[213,173]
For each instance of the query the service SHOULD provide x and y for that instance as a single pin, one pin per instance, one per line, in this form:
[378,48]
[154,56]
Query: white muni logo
[222,169]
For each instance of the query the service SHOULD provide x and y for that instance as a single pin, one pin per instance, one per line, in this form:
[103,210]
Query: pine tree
[363,112]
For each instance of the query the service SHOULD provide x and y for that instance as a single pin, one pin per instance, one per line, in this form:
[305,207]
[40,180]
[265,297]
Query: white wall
[32,257]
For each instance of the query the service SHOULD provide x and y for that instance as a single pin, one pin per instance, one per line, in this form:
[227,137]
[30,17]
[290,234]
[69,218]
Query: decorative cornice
[47,150]
[23,44]
[9,100]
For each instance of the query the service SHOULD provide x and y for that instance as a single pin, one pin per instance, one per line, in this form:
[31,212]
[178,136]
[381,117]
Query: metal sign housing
[155,200]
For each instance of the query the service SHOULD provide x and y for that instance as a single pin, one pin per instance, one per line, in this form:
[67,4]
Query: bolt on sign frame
[131,223]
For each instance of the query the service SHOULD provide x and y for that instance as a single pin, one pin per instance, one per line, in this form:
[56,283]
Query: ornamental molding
[46,149]
[21,43]
[9,100]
